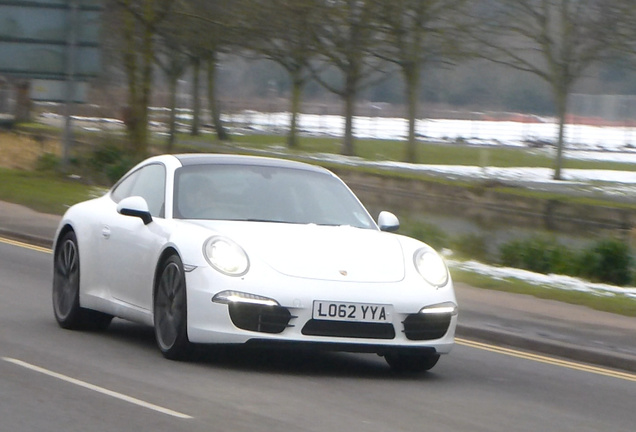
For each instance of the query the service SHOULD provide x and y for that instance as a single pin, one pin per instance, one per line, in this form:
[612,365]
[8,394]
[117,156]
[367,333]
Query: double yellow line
[25,245]
[465,342]
[547,360]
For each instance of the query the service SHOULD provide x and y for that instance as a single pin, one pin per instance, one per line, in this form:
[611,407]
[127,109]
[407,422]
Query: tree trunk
[196,100]
[561,96]
[348,148]
[348,144]
[297,88]
[173,79]
[22,108]
[411,78]
[139,78]
[130,66]
[146,89]
[221,133]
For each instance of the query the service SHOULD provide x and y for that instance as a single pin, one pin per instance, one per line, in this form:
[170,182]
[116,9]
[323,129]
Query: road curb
[27,238]
[546,346]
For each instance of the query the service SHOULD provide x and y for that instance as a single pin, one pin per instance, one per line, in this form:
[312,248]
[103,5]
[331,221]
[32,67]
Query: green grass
[590,201]
[34,127]
[442,154]
[43,192]
[428,153]
[617,304]
[51,193]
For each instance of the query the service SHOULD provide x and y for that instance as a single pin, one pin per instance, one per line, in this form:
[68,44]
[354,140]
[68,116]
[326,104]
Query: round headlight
[226,256]
[431,266]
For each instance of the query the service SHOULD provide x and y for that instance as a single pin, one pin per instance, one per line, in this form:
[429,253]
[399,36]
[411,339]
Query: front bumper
[292,323]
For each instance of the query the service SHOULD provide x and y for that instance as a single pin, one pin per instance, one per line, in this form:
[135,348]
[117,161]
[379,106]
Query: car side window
[122,190]
[149,183]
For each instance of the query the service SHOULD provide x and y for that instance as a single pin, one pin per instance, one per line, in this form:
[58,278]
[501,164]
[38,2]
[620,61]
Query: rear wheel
[170,311]
[411,362]
[66,283]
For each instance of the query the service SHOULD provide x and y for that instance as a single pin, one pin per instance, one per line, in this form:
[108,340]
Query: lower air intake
[258,318]
[426,326]
[349,329]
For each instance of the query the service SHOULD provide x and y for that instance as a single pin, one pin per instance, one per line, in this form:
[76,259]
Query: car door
[130,248]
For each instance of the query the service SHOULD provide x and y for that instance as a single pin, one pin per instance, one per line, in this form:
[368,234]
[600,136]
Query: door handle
[106,232]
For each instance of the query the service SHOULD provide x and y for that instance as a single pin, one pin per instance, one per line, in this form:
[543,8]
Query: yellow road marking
[97,389]
[482,346]
[548,360]
[25,245]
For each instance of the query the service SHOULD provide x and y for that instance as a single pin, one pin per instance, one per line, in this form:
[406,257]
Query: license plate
[359,312]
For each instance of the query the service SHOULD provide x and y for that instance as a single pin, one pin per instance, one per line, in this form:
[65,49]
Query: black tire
[170,311]
[407,362]
[66,286]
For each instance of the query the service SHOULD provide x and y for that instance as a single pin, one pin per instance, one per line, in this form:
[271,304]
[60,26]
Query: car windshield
[265,194]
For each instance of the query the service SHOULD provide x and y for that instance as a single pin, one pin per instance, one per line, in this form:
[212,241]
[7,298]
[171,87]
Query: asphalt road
[53,379]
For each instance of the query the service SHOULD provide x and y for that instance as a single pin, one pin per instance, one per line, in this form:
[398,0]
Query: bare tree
[196,98]
[624,44]
[213,103]
[173,59]
[281,31]
[213,28]
[418,32]
[556,40]
[347,39]
[140,20]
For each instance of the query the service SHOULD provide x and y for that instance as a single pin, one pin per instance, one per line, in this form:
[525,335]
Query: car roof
[224,159]
[193,159]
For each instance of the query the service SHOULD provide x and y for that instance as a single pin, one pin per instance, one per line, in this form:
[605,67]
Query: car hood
[336,253]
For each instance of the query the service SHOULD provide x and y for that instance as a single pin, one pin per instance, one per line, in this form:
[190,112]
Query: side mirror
[135,206]
[388,222]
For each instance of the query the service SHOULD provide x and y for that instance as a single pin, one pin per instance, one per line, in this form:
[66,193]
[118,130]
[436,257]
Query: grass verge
[435,154]
[43,192]
[427,152]
[617,304]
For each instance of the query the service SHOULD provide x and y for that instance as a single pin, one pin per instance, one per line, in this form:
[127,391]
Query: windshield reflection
[265,194]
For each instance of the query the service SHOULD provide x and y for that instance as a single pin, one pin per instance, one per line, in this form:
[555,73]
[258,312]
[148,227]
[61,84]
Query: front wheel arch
[170,311]
[161,262]
[63,231]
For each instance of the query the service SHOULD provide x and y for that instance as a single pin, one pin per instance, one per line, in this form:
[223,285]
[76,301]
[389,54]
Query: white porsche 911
[219,249]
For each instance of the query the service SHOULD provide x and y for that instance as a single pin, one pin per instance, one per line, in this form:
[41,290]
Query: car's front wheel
[411,362]
[66,286]
[170,311]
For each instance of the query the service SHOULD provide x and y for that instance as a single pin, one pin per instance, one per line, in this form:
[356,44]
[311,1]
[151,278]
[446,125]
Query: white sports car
[219,249]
